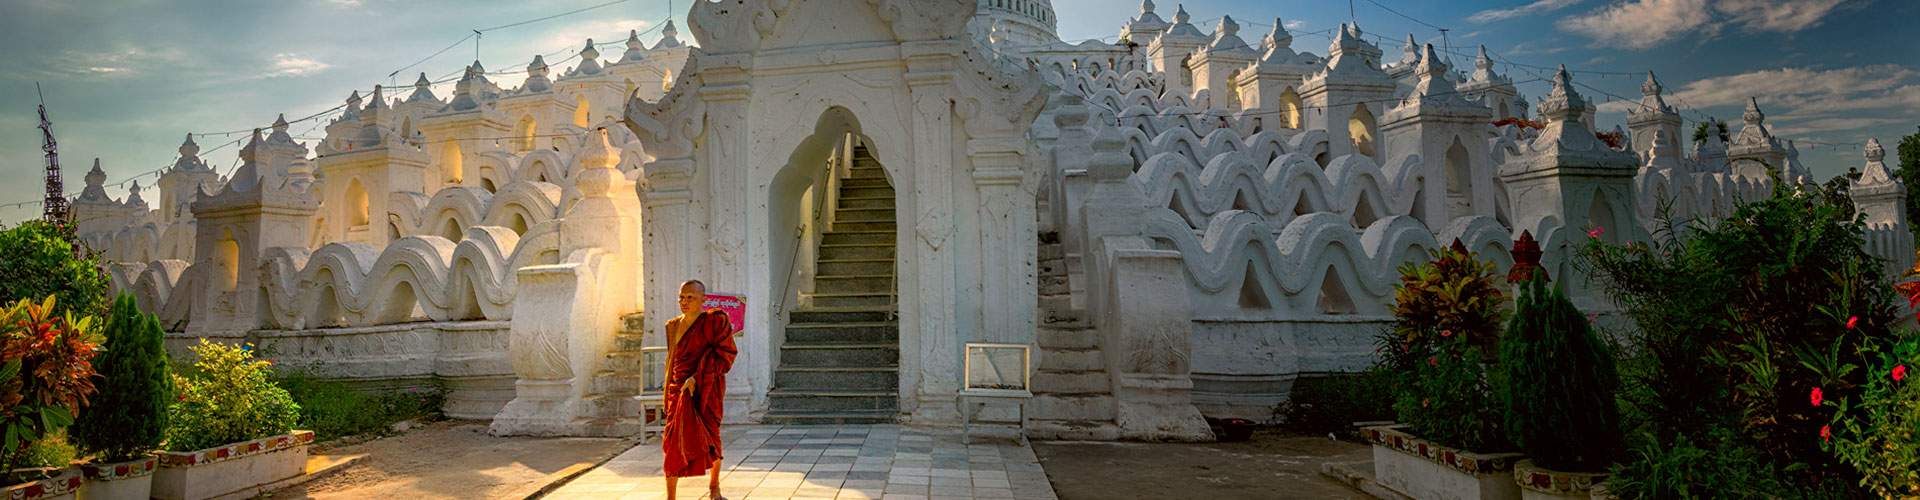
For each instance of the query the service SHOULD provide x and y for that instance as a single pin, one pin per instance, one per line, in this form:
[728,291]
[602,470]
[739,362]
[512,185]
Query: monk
[701,351]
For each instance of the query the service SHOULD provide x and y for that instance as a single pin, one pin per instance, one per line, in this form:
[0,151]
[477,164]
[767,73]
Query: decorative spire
[133,197]
[1410,53]
[669,37]
[1876,172]
[1753,116]
[1278,38]
[1563,103]
[188,148]
[1665,155]
[636,51]
[1226,37]
[422,90]
[597,176]
[537,76]
[377,100]
[1431,66]
[1526,259]
[353,107]
[1146,8]
[1651,87]
[466,91]
[1483,62]
[589,65]
[1180,14]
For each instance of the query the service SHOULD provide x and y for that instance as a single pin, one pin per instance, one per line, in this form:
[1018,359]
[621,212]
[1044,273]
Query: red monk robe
[703,355]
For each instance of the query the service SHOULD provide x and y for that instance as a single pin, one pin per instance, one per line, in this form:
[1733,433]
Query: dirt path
[1271,465]
[456,459]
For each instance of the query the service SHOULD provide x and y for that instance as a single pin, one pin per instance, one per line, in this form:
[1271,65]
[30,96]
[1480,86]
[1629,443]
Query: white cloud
[1535,47]
[1640,24]
[285,64]
[1776,16]
[1538,6]
[1801,101]
[346,3]
[1295,24]
[574,36]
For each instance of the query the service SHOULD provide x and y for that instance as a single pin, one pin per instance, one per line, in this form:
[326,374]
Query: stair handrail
[800,234]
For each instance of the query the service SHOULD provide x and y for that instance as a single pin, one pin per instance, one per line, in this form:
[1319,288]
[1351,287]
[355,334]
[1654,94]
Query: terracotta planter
[1538,483]
[130,480]
[1420,469]
[61,486]
[239,469]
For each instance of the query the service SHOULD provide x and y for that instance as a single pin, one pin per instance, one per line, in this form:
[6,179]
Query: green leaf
[55,417]
[11,369]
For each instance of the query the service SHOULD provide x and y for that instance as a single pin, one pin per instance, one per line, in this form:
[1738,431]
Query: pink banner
[735,305]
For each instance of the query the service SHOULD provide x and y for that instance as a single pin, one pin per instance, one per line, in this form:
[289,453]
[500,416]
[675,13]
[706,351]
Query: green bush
[1563,416]
[332,409]
[129,414]
[36,260]
[46,374]
[1741,320]
[1878,433]
[226,397]
[1334,402]
[1447,314]
[51,451]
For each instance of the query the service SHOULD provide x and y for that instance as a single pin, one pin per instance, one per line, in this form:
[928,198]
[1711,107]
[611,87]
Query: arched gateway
[767,147]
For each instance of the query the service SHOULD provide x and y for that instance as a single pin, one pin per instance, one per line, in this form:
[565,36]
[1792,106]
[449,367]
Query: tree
[129,413]
[37,260]
[1563,416]
[1909,173]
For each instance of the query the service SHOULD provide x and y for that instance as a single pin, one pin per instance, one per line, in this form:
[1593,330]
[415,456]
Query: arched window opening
[357,208]
[1360,127]
[1290,109]
[1459,181]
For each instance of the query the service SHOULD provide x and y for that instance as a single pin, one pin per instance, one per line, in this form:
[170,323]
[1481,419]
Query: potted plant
[1443,350]
[230,428]
[45,375]
[129,414]
[1564,417]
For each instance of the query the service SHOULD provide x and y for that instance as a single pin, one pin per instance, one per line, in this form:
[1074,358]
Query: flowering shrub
[1447,314]
[46,374]
[37,260]
[1878,433]
[1740,321]
[331,409]
[226,398]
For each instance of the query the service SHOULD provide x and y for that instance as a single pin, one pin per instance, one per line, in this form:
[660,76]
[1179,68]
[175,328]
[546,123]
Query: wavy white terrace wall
[468,359]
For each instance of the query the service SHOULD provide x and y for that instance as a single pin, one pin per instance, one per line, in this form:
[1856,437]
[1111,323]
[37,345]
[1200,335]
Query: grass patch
[332,409]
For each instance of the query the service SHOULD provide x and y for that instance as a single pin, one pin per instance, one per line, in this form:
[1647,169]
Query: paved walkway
[832,462]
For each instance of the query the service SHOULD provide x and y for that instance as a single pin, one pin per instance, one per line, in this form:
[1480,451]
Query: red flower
[1424,402]
[1596,232]
[1433,361]
[1816,397]
[1852,321]
[1899,373]
[1826,433]
[1446,333]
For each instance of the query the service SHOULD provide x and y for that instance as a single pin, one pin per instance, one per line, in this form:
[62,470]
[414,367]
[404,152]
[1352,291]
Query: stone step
[848,267]
[846,237]
[621,427]
[1051,339]
[1054,285]
[1072,360]
[839,355]
[871,283]
[623,361]
[819,315]
[1064,318]
[864,226]
[833,400]
[866,192]
[633,323]
[1071,407]
[861,332]
[864,172]
[1071,382]
[775,416]
[872,202]
[624,341]
[844,215]
[612,382]
[1052,251]
[1075,430]
[611,405]
[853,299]
[878,379]
[865,182]
[857,251]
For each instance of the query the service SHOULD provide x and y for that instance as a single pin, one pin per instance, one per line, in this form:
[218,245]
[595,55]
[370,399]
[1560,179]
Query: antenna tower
[56,202]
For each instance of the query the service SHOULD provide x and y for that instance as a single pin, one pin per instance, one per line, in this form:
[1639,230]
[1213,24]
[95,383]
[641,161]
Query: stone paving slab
[840,462]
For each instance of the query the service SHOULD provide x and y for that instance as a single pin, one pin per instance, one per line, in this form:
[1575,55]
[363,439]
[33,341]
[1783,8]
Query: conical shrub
[128,417]
[1559,399]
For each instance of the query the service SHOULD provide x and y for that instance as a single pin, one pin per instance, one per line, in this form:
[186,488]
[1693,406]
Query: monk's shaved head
[695,284]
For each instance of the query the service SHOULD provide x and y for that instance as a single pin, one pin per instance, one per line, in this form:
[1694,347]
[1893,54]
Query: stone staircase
[611,409]
[1072,394]
[840,362]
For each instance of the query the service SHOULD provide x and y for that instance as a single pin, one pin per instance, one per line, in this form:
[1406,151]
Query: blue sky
[125,80]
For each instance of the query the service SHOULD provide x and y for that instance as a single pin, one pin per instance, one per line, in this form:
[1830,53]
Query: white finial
[1227,27]
[422,83]
[633,40]
[280,123]
[589,53]
[1753,116]
[1146,7]
[1180,14]
[188,148]
[1875,152]
[1651,87]
[378,99]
